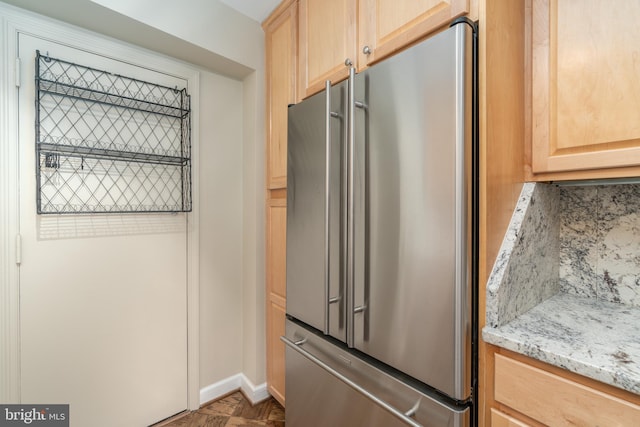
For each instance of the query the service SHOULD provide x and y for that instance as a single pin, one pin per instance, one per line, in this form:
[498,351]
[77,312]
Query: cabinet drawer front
[557,401]
[500,419]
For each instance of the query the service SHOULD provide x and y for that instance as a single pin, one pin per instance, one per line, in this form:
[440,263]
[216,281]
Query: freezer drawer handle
[300,342]
[402,416]
[411,412]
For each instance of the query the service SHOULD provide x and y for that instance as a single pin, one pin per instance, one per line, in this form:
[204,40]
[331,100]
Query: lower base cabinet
[276,269]
[553,400]
[276,316]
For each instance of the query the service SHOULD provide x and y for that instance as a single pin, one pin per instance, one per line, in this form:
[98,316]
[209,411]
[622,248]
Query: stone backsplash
[600,242]
[525,272]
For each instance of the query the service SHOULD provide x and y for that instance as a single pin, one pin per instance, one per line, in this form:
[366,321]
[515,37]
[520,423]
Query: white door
[103,306]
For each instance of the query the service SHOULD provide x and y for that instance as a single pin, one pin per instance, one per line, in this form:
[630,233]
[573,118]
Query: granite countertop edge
[597,339]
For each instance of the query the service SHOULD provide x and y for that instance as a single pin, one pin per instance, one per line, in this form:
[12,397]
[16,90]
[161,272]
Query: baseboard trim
[255,393]
[235,382]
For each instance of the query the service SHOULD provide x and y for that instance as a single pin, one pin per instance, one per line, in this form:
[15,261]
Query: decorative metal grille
[106,143]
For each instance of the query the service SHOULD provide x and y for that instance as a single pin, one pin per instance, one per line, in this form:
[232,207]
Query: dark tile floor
[233,410]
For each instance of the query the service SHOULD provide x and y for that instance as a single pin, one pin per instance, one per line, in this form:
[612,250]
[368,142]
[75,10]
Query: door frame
[12,23]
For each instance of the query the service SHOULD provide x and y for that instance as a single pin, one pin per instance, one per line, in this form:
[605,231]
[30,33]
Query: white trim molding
[193,253]
[9,296]
[254,393]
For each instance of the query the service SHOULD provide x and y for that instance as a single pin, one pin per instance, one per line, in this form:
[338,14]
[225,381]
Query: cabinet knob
[348,62]
[366,50]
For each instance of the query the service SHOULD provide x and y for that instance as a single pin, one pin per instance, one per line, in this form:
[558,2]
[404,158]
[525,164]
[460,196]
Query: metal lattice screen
[106,143]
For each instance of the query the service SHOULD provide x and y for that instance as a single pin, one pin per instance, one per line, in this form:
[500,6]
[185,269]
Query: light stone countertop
[594,338]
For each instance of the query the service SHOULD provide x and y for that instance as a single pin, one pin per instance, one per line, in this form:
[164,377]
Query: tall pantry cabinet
[281,70]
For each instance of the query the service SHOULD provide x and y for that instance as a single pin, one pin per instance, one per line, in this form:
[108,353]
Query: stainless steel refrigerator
[381,243]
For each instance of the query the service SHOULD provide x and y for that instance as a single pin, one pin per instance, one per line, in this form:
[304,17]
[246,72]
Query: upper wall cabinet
[327,42]
[337,33]
[585,89]
[386,26]
[281,36]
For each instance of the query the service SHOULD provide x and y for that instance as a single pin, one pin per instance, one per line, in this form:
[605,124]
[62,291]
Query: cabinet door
[585,86]
[327,40]
[276,350]
[276,292]
[386,26]
[281,46]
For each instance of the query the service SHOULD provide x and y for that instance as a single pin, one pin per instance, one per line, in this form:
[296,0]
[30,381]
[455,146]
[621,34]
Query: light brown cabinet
[386,26]
[276,236]
[551,398]
[275,359]
[335,34]
[585,91]
[500,419]
[327,42]
[519,102]
[281,39]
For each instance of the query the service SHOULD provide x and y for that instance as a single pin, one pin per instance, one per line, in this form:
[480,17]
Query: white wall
[221,228]
[206,23]
[254,305]
[220,29]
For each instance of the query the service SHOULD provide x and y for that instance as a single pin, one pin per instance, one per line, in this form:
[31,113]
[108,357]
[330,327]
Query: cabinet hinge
[17,72]
[18,249]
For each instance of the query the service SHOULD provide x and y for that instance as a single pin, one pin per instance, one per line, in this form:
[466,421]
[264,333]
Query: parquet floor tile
[233,410]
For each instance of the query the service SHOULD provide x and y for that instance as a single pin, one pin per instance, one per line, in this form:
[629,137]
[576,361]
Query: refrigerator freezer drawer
[327,386]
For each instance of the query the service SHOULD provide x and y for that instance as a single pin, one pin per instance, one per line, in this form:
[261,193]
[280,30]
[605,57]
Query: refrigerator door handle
[359,309]
[327,211]
[350,210]
[405,417]
[328,300]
